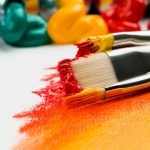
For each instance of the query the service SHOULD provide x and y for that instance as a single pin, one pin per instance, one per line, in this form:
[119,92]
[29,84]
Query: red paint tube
[121,26]
[125,15]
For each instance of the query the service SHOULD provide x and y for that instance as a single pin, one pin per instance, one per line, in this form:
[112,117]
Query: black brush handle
[130,64]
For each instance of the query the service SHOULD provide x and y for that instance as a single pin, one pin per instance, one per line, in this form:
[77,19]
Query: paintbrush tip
[95,44]
[85,43]
[91,45]
[85,98]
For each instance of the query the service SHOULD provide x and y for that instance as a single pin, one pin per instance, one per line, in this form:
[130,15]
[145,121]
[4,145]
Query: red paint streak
[59,84]
[51,96]
[67,77]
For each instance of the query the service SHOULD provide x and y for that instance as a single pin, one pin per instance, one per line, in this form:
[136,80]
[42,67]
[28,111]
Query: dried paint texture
[122,123]
[67,77]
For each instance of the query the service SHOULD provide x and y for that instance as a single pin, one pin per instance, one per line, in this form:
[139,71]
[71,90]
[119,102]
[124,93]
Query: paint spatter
[120,124]
[51,97]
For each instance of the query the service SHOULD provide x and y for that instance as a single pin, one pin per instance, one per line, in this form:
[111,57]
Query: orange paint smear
[122,123]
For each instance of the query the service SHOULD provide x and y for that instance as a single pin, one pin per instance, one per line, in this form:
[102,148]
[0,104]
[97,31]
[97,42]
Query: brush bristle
[86,43]
[92,44]
[85,98]
[96,44]
[95,71]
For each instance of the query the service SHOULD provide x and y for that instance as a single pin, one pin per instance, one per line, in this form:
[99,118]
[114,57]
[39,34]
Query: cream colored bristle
[96,71]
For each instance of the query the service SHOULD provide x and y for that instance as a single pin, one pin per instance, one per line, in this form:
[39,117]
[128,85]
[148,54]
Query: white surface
[20,72]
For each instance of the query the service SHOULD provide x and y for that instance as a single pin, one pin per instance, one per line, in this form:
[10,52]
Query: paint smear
[121,124]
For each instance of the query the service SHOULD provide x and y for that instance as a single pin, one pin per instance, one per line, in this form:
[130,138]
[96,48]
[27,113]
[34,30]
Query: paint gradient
[120,124]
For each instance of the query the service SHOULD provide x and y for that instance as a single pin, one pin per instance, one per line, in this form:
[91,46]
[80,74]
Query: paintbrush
[112,41]
[100,76]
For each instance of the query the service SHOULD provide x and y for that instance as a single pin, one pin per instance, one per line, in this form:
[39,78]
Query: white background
[20,72]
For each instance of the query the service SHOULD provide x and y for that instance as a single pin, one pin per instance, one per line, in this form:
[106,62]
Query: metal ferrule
[132,68]
[137,38]
[128,86]
[1,8]
[131,62]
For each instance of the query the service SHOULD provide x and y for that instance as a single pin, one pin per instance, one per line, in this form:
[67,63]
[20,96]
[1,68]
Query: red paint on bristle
[85,43]
[82,52]
[67,77]
[84,48]
[59,84]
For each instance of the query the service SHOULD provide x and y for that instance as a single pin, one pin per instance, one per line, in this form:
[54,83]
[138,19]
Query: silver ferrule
[139,80]
[129,39]
[128,86]
[131,62]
